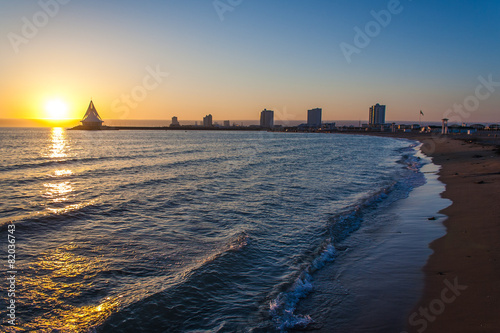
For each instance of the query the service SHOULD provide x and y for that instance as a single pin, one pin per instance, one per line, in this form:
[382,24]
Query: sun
[56,109]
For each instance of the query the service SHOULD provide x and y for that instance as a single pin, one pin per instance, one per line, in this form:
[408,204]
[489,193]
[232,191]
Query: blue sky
[281,55]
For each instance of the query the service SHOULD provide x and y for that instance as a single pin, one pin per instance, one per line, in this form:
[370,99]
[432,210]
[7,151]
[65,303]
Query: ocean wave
[50,216]
[210,239]
[177,306]
[282,308]
[70,161]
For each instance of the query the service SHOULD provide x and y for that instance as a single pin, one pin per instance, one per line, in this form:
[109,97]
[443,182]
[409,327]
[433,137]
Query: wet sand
[462,276]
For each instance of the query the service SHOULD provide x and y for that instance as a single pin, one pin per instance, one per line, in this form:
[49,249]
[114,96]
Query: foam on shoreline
[373,285]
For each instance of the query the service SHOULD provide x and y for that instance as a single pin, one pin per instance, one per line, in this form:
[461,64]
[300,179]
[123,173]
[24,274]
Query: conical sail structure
[91,119]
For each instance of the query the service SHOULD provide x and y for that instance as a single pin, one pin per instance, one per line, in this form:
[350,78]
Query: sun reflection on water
[59,192]
[59,278]
[64,172]
[59,143]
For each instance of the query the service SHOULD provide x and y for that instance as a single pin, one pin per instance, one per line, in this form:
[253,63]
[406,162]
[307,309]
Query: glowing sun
[56,109]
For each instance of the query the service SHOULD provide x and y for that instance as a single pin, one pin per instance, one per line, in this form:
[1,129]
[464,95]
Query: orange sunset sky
[157,59]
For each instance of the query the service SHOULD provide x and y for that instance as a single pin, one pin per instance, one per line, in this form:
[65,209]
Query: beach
[461,276]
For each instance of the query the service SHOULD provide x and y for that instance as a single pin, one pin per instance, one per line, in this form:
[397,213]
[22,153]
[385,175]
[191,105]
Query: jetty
[92,121]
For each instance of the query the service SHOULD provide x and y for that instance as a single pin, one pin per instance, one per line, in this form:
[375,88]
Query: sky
[233,58]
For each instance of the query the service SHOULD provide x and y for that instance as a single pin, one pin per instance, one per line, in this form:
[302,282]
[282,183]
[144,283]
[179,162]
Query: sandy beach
[461,277]
[462,289]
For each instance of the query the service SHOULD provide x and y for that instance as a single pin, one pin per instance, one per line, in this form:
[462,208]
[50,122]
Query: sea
[213,231]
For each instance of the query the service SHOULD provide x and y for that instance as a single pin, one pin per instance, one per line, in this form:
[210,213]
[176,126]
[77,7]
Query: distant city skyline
[161,59]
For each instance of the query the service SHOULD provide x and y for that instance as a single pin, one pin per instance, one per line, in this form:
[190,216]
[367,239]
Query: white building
[267,118]
[91,119]
[314,117]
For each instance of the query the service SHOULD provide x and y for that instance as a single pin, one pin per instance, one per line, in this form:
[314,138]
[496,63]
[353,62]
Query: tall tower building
[377,114]
[175,121]
[267,118]
[207,121]
[314,117]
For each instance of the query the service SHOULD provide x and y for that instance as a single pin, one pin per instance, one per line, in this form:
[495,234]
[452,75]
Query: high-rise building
[175,121]
[314,117]
[377,114]
[267,118]
[226,123]
[207,121]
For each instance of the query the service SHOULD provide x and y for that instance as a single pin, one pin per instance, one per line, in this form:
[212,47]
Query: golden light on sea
[70,275]
[58,138]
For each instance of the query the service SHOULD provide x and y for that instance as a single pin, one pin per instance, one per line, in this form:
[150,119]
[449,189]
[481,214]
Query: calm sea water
[171,231]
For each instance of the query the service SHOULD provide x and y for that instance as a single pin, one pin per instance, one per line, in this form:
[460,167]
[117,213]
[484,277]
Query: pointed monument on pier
[91,119]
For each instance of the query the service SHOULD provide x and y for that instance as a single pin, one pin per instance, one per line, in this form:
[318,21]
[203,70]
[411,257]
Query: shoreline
[395,236]
[466,261]
[461,275]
